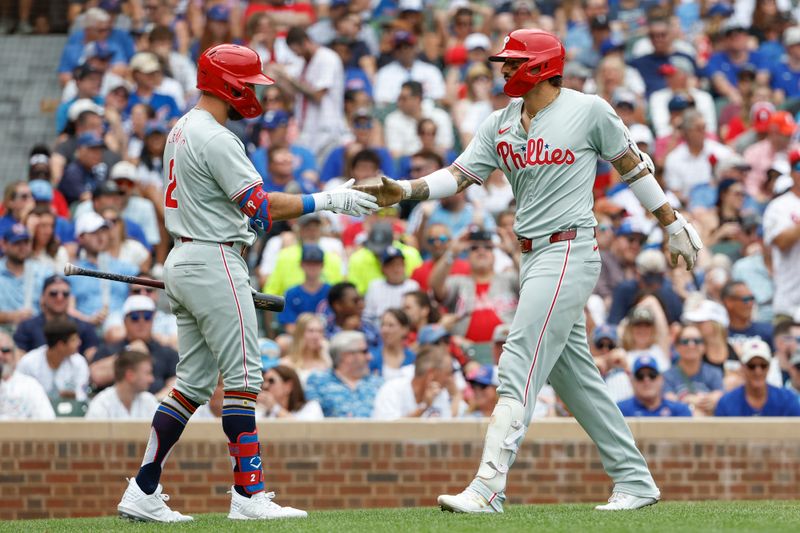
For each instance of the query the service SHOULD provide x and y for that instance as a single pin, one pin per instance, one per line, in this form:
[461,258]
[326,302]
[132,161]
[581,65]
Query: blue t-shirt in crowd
[120,38]
[30,334]
[78,179]
[13,289]
[334,164]
[756,330]
[625,295]
[648,66]
[88,292]
[303,161]
[632,407]
[376,363]
[708,379]
[780,402]
[164,106]
[720,62]
[784,78]
[63,110]
[298,301]
[72,55]
[338,399]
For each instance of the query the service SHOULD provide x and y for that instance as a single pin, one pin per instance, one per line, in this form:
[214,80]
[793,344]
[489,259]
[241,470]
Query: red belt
[189,239]
[526,245]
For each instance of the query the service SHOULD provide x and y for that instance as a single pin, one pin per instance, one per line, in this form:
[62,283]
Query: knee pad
[505,433]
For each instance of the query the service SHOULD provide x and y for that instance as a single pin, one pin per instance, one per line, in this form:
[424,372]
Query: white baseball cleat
[137,505]
[619,501]
[260,507]
[469,501]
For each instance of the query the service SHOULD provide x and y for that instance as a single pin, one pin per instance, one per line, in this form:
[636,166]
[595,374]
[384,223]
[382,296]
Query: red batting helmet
[225,70]
[544,54]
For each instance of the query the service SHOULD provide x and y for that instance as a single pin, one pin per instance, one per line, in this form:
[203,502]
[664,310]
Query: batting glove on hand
[387,191]
[346,200]
[683,241]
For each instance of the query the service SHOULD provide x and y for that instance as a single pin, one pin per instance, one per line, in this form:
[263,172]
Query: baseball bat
[267,302]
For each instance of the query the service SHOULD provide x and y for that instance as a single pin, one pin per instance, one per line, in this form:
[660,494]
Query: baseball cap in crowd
[483,375]
[431,334]
[474,41]
[600,22]
[98,49]
[760,113]
[16,233]
[641,134]
[49,280]
[123,171]
[575,69]
[623,96]
[720,10]
[275,119]
[783,123]
[645,361]
[90,140]
[612,44]
[753,348]
[707,311]
[734,161]
[118,82]
[145,62]
[630,226]
[732,26]
[41,190]
[82,105]
[404,37]
[641,315]
[85,70]
[651,262]
[410,5]
[362,118]
[500,333]
[218,13]
[679,102]
[312,254]
[477,233]
[676,64]
[89,222]
[138,302]
[380,237]
[791,36]
[605,331]
[107,188]
[390,254]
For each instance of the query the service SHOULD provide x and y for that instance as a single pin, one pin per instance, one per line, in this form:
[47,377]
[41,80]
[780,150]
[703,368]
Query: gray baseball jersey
[552,168]
[205,167]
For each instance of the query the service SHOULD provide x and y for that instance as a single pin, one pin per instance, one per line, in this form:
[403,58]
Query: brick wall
[78,468]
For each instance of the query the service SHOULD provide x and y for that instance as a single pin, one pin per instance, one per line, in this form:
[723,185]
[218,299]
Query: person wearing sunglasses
[435,244]
[756,397]
[739,302]
[54,303]
[18,202]
[648,398]
[612,361]
[21,396]
[139,313]
[690,379]
[282,396]
[165,323]
[483,382]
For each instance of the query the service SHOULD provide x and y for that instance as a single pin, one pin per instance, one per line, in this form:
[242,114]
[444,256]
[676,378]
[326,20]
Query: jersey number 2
[169,200]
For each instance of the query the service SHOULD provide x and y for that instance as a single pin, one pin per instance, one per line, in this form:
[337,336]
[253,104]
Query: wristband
[675,227]
[308,204]
[406,186]
[441,184]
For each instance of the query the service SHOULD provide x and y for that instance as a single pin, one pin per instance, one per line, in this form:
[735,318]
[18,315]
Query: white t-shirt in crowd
[396,399]
[72,375]
[390,78]
[23,398]
[107,406]
[781,214]
[311,411]
[322,124]
[683,171]
[381,295]
[401,130]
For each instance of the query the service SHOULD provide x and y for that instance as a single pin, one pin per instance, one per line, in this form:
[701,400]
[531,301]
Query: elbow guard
[254,203]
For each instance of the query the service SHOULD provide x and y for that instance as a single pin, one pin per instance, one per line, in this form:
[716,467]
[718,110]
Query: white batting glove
[346,201]
[683,241]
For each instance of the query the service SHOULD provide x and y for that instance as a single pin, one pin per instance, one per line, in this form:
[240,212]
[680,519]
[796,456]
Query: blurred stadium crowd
[404,313]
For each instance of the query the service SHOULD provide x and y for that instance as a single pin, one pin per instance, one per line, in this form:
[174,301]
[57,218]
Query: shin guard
[505,433]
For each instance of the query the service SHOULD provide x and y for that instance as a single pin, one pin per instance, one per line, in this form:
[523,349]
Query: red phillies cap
[783,123]
[760,114]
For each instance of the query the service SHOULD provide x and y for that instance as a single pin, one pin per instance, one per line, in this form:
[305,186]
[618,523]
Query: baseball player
[547,141]
[213,194]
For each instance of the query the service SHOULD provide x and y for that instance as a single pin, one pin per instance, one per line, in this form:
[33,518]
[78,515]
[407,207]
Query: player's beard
[233,114]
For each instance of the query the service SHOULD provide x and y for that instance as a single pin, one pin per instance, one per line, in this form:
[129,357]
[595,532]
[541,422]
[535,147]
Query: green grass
[672,517]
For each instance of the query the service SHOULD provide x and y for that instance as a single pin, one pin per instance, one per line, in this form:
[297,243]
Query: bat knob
[70,269]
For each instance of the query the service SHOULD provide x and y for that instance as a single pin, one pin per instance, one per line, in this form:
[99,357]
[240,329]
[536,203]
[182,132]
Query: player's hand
[346,200]
[388,191]
[684,242]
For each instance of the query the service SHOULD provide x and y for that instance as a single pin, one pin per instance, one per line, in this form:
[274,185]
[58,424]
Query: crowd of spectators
[404,312]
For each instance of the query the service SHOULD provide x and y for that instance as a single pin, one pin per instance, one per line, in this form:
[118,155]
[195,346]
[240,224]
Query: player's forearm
[284,206]
[440,184]
[636,170]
